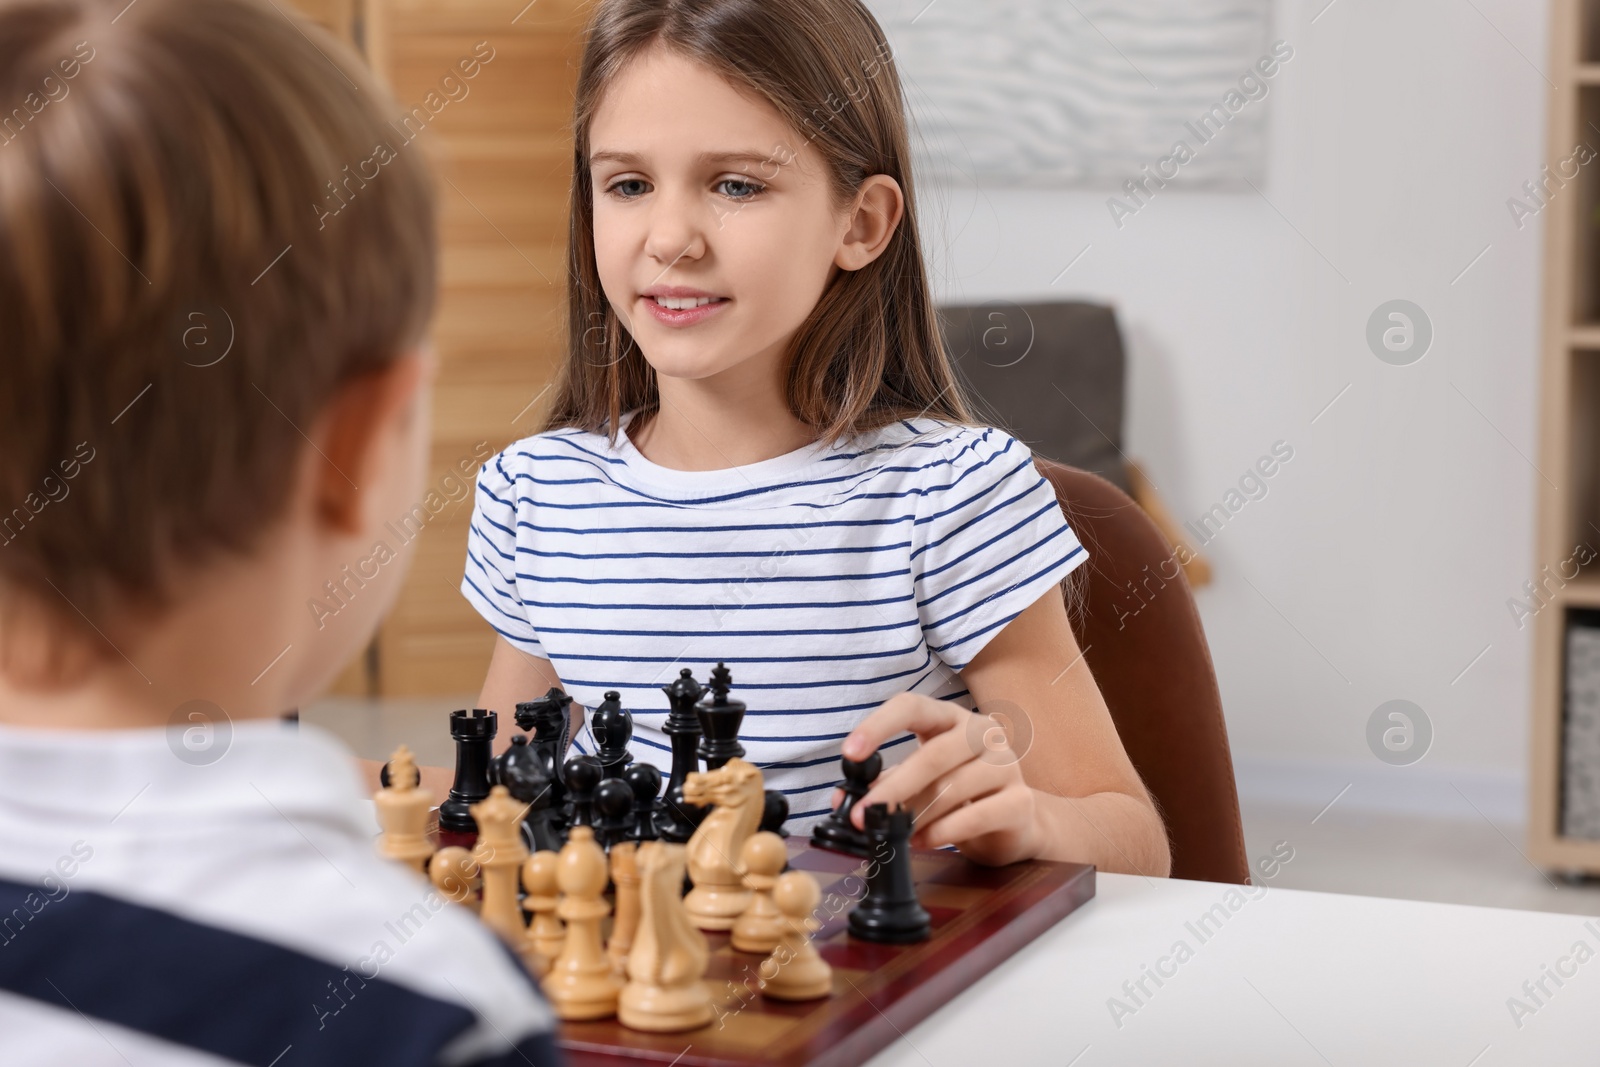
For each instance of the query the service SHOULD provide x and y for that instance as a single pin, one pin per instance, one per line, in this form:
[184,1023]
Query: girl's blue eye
[625,181]
[755,189]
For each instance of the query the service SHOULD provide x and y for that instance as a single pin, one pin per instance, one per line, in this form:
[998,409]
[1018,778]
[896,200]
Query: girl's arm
[1071,795]
[514,676]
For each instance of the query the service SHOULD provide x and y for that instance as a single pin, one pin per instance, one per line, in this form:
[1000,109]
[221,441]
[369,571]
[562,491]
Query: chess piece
[581,983]
[719,895]
[837,831]
[774,813]
[454,873]
[890,912]
[625,917]
[473,733]
[720,719]
[550,719]
[522,771]
[645,781]
[499,854]
[613,808]
[678,818]
[795,970]
[760,925]
[665,993]
[612,727]
[539,882]
[583,777]
[402,810]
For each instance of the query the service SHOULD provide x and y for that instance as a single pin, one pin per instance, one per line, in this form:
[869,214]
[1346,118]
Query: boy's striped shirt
[827,579]
[156,908]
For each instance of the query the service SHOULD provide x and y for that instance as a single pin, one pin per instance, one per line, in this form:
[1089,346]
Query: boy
[214,391]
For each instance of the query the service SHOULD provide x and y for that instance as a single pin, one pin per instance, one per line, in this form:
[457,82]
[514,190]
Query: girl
[758,454]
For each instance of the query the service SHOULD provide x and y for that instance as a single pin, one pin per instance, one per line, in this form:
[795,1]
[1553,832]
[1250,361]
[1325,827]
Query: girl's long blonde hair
[871,352]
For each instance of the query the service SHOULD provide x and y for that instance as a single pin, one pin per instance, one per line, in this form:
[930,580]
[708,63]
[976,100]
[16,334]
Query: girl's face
[700,191]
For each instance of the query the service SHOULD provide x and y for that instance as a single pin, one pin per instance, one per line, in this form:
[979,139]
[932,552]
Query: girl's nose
[677,229]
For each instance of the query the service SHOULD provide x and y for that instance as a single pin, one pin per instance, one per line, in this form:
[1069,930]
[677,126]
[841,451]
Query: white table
[1289,977]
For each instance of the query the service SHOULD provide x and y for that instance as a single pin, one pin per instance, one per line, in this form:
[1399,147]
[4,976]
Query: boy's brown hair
[871,352]
[207,224]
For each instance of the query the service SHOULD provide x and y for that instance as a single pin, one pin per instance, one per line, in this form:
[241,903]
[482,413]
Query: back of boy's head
[207,225]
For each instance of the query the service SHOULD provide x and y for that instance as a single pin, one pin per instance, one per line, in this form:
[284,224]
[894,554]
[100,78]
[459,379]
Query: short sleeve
[490,583]
[990,539]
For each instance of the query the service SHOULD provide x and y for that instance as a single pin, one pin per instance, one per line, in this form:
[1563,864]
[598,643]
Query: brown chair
[1135,618]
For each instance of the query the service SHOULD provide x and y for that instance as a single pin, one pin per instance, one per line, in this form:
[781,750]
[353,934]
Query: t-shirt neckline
[764,471]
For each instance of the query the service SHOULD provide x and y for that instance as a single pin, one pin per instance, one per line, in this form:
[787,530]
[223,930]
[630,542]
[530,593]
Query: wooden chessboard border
[908,983]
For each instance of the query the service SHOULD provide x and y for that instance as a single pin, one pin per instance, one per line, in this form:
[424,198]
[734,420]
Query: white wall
[1380,563]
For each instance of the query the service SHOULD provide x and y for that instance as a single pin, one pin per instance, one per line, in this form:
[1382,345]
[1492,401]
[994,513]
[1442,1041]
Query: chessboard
[981,916]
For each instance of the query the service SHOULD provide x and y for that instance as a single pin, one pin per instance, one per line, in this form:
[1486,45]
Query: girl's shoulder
[564,445]
[939,446]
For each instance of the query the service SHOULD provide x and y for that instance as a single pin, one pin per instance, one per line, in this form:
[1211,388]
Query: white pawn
[795,971]
[543,897]
[454,873]
[761,923]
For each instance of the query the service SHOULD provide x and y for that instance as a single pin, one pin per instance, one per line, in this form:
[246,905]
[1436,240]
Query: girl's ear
[874,214]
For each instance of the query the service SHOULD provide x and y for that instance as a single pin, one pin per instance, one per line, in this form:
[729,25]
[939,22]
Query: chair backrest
[1136,621]
[1051,373]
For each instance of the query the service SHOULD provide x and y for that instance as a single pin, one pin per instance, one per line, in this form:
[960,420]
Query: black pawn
[613,807]
[678,819]
[890,913]
[836,831]
[583,777]
[473,733]
[720,719]
[775,812]
[645,781]
[612,727]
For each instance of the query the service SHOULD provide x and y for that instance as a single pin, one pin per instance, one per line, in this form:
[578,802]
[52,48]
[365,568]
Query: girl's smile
[677,306]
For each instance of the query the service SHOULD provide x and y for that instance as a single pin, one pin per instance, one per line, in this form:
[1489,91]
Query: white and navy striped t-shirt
[828,579]
[159,905]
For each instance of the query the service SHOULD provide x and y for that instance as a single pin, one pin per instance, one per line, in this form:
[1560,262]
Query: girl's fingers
[971,781]
[914,712]
[933,760]
[1007,810]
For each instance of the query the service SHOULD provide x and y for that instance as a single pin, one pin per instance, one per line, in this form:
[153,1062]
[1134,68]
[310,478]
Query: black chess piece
[678,819]
[775,812]
[549,719]
[524,775]
[612,727]
[720,719]
[613,809]
[518,752]
[645,781]
[583,778]
[890,913]
[837,831]
[473,733]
